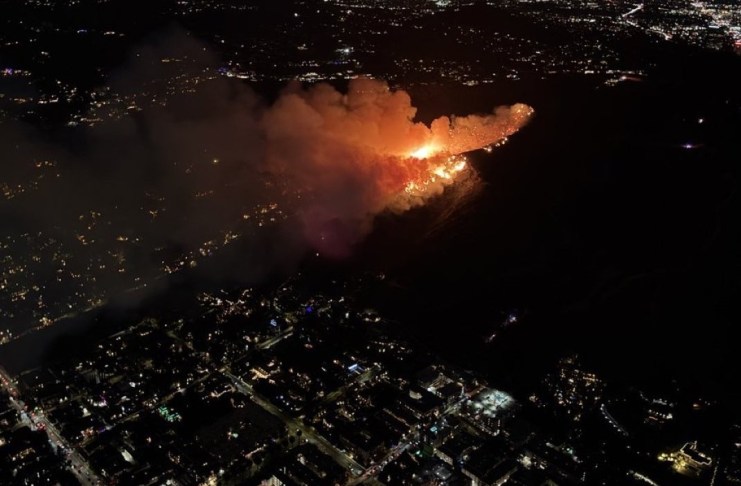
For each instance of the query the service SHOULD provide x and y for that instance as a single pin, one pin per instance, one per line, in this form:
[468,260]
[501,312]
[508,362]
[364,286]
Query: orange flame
[441,170]
[423,152]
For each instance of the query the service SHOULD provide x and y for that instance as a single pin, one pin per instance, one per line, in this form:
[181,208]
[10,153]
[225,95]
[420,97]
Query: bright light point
[423,152]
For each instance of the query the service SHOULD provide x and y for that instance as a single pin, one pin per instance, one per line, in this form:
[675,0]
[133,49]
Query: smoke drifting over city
[127,199]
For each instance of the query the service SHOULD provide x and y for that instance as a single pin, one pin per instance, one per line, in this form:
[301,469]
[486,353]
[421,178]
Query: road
[635,10]
[269,343]
[376,469]
[78,465]
[619,428]
[402,446]
[365,376]
[295,424]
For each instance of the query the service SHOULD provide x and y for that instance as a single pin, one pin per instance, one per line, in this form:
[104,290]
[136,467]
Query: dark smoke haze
[118,199]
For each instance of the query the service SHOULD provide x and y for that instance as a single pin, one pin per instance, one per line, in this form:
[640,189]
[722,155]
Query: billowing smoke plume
[354,155]
[149,183]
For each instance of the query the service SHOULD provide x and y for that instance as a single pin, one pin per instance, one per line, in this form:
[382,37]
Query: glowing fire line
[443,170]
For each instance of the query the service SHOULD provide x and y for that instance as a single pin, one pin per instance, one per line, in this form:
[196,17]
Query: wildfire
[442,170]
[360,153]
[423,152]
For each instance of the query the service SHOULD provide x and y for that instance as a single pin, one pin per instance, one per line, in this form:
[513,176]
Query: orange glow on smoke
[354,155]
[423,152]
